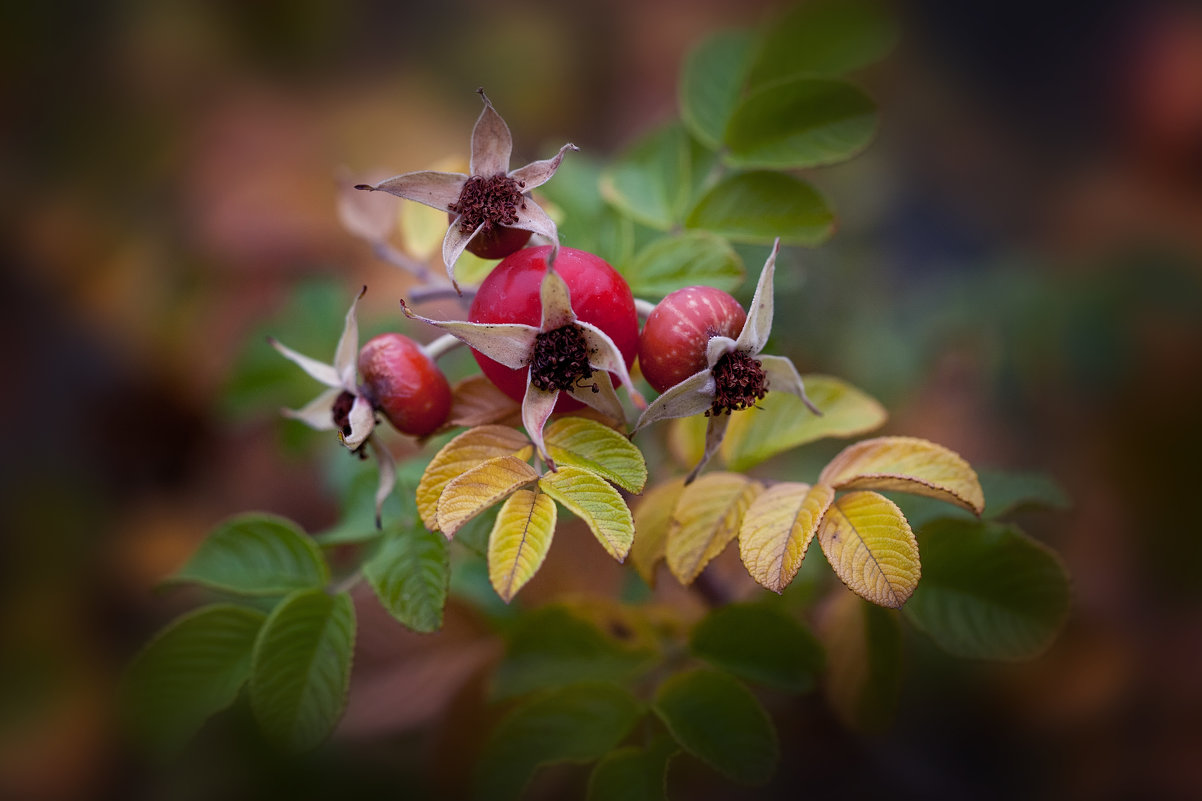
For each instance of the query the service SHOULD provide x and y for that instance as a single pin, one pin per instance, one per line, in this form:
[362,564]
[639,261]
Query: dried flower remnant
[343,407]
[491,203]
[737,375]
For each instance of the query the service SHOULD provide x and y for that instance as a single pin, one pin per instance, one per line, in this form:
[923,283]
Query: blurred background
[1017,274]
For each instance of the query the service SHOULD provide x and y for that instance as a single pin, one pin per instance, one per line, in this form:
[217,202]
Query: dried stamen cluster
[739,383]
[488,202]
[560,360]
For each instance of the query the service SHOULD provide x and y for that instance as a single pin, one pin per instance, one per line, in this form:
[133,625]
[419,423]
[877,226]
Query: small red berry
[510,294]
[672,345]
[404,384]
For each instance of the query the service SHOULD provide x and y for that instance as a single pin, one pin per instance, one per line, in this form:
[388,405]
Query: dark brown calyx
[489,202]
[342,412]
[739,383]
[560,360]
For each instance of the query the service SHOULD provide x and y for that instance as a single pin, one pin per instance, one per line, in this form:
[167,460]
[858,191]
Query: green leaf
[804,122]
[863,655]
[301,668]
[585,221]
[828,37]
[572,724]
[551,647]
[679,260]
[189,671]
[653,182]
[780,422]
[719,721]
[410,574]
[584,443]
[633,774]
[711,82]
[988,591]
[256,554]
[757,207]
[759,644]
[357,524]
[1005,494]
[596,503]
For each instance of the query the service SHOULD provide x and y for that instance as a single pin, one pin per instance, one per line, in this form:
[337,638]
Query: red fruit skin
[672,346]
[404,384]
[510,294]
[496,243]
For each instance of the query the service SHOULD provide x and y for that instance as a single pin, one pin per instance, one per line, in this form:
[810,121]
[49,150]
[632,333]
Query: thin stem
[348,582]
[441,346]
[422,294]
[388,253]
[643,308]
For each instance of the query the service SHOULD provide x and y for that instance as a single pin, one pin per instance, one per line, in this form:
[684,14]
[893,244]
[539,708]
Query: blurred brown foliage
[169,175]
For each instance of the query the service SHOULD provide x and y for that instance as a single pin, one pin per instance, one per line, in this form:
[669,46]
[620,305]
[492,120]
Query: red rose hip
[404,384]
[672,345]
[510,294]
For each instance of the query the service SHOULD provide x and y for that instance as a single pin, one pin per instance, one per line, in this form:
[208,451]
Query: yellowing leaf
[651,516]
[906,464]
[520,540]
[597,448]
[706,519]
[463,453]
[476,401]
[870,547]
[596,503]
[777,530]
[479,488]
[781,422]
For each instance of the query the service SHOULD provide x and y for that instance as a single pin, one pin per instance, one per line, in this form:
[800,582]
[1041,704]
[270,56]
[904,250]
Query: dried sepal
[758,327]
[715,431]
[692,396]
[537,406]
[783,377]
[508,343]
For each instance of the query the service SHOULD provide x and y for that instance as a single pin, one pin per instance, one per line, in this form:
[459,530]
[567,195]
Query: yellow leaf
[476,401]
[906,464]
[463,453]
[597,448]
[777,530]
[479,488]
[520,540]
[422,229]
[596,503]
[706,519]
[651,516]
[870,547]
[781,422]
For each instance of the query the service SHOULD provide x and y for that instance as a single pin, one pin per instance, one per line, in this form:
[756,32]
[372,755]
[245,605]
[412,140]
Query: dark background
[1017,274]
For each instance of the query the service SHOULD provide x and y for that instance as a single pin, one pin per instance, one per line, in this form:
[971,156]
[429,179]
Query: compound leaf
[871,548]
[777,531]
[480,487]
[256,554]
[461,454]
[719,721]
[587,444]
[301,668]
[706,518]
[988,591]
[189,671]
[578,723]
[596,503]
[906,464]
[520,540]
[411,574]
